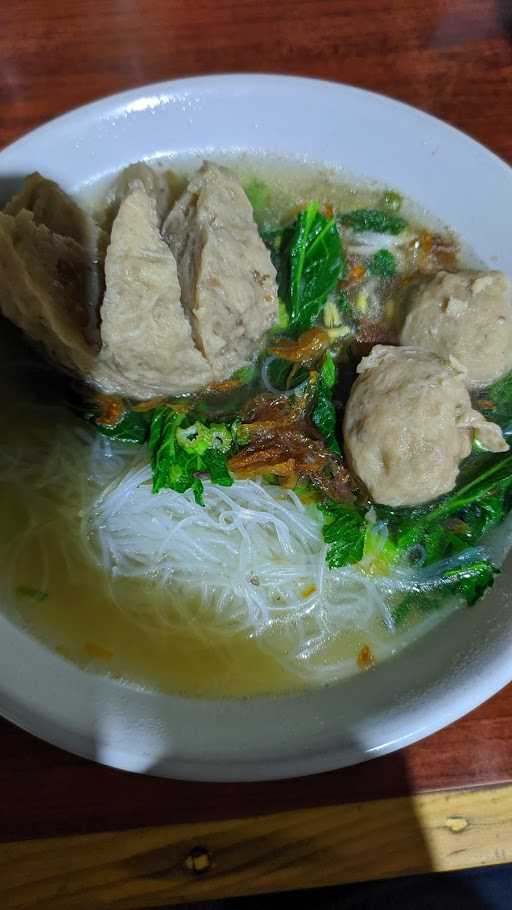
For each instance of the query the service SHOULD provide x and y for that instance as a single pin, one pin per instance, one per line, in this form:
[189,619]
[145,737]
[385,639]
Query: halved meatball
[50,287]
[121,320]
[227,279]
[58,212]
[147,345]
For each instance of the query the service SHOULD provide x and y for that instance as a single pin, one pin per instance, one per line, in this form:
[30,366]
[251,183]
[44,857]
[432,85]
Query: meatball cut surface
[409,423]
[228,281]
[466,315]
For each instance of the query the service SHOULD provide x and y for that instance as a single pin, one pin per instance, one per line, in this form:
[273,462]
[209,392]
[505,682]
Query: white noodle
[251,563]
[251,558]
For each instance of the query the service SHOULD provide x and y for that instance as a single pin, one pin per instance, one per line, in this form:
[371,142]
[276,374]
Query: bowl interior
[451,669]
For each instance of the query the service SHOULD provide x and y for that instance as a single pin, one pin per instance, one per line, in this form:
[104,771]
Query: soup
[268,566]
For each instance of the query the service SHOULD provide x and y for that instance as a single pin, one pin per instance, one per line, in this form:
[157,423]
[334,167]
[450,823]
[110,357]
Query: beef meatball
[120,310]
[228,282]
[466,315]
[408,425]
[148,349]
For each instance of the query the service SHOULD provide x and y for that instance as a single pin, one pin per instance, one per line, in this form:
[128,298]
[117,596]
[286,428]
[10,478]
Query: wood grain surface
[46,791]
[454,59]
[153,867]
[450,57]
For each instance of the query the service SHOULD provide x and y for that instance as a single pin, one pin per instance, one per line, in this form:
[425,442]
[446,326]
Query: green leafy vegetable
[283,319]
[284,375]
[456,522]
[324,412]
[426,536]
[379,551]
[133,428]
[215,463]
[259,195]
[496,403]
[392,200]
[181,448]
[278,371]
[479,504]
[33,593]
[344,531]
[377,220]
[273,240]
[164,450]
[314,263]
[470,581]
[344,305]
[244,375]
[383,264]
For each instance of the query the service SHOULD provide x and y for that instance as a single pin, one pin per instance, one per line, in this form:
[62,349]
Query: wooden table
[75,835]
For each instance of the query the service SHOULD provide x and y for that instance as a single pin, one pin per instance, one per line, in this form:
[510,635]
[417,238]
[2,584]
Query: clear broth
[54,589]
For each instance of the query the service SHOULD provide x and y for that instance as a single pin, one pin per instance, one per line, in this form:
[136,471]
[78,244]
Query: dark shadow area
[9,186]
[327,846]
[472,889]
[504,14]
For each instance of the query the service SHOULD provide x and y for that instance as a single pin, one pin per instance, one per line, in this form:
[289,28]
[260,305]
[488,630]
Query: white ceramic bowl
[449,671]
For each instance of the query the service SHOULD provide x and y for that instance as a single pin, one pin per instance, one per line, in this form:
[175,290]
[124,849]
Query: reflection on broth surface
[234,597]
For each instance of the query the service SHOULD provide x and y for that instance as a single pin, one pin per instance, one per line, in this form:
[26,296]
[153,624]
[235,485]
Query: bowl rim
[20,705]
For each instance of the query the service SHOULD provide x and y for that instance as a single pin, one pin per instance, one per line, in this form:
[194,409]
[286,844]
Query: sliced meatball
[52,232]
[227,279]
[154,182]
[50,287]
[58,212]
[147,345]
[466,315]
[409,423]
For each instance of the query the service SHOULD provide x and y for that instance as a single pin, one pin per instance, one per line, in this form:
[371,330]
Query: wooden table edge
[334,844]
